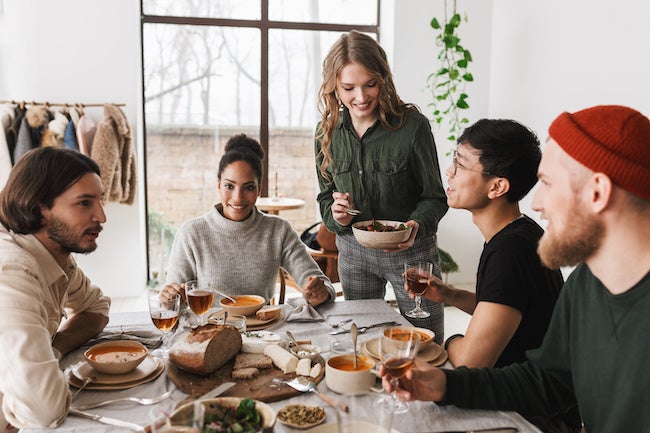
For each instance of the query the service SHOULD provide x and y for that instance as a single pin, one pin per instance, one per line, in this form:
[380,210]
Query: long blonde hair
[356,47]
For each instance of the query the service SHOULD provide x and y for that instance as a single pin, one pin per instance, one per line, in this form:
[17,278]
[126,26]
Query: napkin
[302,311]
[145,335]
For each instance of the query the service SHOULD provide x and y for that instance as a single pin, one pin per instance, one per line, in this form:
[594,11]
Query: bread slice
[248,360]
[245,373]
[206,348]
[269,312]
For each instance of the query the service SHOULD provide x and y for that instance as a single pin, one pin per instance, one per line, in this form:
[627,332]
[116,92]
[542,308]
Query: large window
[215,68]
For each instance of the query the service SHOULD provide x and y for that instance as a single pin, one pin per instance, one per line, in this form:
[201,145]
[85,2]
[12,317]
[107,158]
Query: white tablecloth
[422,417]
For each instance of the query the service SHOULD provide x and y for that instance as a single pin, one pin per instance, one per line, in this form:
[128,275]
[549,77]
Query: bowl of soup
[116,357]
[381,234]
[342,377]
[245,305]
[403,333]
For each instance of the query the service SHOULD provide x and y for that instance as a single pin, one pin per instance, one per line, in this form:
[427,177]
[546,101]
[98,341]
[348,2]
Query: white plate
[334,428]
[428,354]
[143,370]
[76,382]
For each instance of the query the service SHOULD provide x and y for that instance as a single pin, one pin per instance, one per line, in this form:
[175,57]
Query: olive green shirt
[390,174]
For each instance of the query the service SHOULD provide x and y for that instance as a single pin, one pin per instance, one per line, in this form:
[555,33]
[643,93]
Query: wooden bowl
[246,305]
[183,415]
[380,240]
[116,357]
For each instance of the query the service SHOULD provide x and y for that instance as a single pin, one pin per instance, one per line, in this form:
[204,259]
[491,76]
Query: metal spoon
[231,299]
[295,342]
[354,333]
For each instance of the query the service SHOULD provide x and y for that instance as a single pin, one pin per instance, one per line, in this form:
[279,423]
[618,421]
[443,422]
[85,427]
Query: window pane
[230,9]
[361,12]
[202,85]
[295,59]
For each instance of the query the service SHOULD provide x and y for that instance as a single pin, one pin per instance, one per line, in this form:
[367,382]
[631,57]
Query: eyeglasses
[458,165]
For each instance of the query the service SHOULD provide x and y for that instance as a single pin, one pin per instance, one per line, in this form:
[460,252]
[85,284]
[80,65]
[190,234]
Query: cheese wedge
[304,367]
[315,370]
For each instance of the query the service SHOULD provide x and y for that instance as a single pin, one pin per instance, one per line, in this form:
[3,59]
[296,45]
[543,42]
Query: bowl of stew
[381,234]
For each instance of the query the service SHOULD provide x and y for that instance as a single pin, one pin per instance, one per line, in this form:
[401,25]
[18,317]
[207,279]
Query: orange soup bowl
[341,377]
[116,357]
[401,332]
[246,305]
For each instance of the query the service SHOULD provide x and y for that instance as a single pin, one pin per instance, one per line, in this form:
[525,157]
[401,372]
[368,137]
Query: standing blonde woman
[376,153]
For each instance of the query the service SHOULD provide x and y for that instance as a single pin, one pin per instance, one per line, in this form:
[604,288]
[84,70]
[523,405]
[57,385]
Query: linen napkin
[302,311]
[143,334]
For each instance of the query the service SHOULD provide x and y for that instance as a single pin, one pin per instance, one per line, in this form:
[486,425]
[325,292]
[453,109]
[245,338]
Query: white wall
[83,51]
[532,60]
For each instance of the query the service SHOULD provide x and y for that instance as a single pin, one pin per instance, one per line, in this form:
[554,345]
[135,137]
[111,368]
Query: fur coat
[113,151]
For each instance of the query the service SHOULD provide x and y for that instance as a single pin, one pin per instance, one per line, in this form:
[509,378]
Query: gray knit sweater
[240,257]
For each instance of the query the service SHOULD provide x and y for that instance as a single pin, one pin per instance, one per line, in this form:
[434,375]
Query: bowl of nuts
[301,416]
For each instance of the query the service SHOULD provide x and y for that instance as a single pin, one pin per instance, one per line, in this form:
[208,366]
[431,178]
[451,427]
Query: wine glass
[397,349]
[199,299]
[417,278]
[164,315]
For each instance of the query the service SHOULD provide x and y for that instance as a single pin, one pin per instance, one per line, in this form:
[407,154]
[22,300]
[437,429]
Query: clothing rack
[54,104]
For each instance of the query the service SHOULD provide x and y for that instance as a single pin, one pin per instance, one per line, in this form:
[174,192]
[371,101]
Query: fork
[141,401]
[353,212]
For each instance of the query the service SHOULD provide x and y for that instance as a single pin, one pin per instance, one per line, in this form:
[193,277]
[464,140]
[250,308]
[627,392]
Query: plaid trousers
[364,273]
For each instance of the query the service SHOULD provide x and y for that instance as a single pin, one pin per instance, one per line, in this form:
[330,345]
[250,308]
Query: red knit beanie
[609,139]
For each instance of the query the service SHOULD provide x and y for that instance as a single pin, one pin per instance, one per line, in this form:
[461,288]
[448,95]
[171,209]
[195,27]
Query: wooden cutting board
[258,388]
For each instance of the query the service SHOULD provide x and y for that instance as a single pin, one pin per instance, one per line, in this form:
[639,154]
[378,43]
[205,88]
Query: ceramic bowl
[116,357]
[309,351]
[380,240]
[246,305]
[183,415]
[341,377]
[426,335]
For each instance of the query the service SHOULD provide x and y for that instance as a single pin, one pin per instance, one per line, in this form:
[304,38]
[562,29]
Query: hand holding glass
[164,315]
[397,349]
[417,277]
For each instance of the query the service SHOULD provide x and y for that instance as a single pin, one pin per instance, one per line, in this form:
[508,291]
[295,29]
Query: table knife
[484,430]
[218,390]
[363,329]
[107,420]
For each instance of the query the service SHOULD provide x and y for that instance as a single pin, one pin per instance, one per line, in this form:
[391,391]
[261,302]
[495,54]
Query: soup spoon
[231,299]
[354,333]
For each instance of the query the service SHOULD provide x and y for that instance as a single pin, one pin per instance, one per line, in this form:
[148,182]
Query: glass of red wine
[164,315]
[397,349]
[417,276]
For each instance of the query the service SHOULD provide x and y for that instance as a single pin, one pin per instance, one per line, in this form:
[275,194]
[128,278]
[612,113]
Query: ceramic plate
[146,367]
[334,428]
[428,354]
[254,324]
[76,382]
[320,419]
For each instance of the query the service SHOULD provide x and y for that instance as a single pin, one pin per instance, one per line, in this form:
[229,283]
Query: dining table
[421,417]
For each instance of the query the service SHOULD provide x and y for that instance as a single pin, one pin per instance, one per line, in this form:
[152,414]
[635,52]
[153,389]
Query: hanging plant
[447,84]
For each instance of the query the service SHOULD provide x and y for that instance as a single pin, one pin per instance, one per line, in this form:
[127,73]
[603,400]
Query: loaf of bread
[206,348]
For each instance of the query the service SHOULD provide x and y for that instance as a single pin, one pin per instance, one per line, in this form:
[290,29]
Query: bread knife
[218,390]
[107,420]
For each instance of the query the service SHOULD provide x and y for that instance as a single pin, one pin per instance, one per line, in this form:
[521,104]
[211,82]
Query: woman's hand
[421,382]
[315,291]
[340,206]
[170,290]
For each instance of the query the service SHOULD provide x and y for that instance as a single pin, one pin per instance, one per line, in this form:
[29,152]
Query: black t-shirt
[510,273]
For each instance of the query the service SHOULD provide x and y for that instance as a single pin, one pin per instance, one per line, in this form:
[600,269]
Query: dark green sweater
[596,351]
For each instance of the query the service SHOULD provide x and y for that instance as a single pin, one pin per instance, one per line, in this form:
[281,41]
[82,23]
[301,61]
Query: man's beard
[580,238]
[61,232]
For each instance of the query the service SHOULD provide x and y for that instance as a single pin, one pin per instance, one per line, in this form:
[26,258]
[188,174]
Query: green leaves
[447,84]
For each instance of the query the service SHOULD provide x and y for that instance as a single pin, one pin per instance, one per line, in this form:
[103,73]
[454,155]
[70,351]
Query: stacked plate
[252,322]
[432,353]
[147,371]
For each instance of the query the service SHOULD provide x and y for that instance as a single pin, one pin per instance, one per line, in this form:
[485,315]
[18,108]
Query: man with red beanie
[595,195]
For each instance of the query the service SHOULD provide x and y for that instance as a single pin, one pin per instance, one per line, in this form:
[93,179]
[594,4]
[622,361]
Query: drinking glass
[364,416]
[164,315]
[199,299]
[397,349]
[417,277]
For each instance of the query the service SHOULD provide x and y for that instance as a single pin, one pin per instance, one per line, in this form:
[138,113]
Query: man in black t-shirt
[495,166]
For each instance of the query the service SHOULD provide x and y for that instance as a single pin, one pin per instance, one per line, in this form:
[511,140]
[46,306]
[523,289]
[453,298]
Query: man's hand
[421,382]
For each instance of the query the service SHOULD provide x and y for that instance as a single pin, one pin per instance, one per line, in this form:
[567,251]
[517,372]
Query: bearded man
[50,207]
[595,195]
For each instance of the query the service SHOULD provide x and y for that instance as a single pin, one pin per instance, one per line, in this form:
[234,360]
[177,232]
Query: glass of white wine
[199,299]
[164,315]
[397,349]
